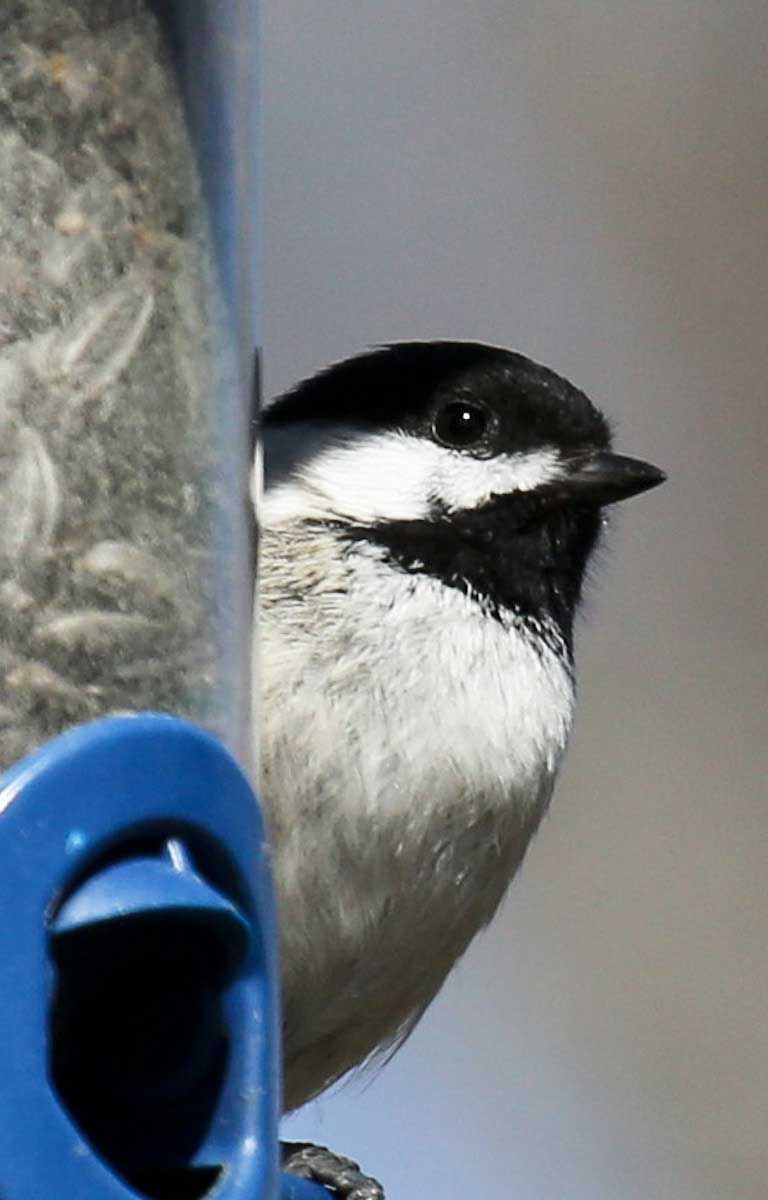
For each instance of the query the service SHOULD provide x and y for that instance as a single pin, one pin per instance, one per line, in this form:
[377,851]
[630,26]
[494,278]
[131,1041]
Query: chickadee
[429,512]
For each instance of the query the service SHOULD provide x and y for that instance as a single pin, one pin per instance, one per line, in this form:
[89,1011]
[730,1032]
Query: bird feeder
[138,1005]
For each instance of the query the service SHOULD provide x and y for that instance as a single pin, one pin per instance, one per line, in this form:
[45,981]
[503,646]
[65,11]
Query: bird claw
[321,1165]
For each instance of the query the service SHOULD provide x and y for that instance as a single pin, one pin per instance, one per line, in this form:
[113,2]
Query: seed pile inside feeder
[111,495]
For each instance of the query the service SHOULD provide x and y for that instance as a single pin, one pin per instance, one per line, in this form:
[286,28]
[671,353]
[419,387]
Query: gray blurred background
[586,182]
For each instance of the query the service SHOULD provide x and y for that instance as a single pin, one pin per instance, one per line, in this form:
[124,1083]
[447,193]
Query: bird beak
[605,478]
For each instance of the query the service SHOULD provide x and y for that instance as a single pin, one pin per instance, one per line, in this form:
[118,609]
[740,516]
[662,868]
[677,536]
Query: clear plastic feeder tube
[125,378]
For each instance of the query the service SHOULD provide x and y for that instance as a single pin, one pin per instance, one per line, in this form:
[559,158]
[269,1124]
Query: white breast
[409,746]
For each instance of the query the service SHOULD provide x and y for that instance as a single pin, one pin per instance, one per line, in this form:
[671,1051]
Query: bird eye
[461,424]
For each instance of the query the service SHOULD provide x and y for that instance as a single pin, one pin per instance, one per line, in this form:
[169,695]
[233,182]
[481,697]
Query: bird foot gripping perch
[321,1165]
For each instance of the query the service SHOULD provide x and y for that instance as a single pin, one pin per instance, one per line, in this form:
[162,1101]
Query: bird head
[463,461]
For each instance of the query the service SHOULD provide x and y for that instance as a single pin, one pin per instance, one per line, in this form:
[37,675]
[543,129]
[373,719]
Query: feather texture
[409,748]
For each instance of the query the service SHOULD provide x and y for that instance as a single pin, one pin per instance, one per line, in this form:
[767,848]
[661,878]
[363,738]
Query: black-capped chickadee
[428,515]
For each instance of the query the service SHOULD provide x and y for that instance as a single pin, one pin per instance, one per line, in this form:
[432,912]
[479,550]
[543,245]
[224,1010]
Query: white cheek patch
[463,482]
[368,478]
[387,476]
